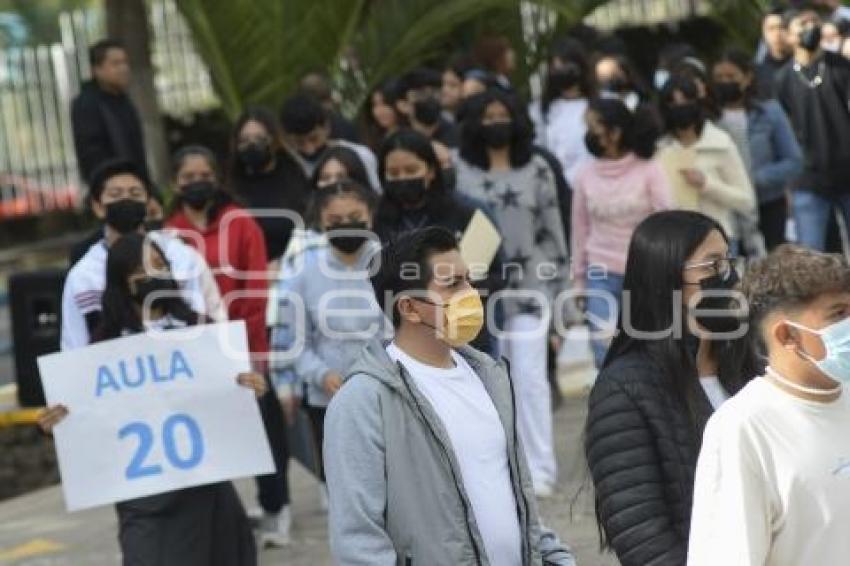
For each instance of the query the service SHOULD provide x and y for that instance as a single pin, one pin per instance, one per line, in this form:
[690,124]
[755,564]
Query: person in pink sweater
[613,192]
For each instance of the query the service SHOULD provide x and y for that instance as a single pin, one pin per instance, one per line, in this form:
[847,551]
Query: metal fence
[38,168]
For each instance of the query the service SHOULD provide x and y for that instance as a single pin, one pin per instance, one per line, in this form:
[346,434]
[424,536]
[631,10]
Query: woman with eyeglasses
[679,352]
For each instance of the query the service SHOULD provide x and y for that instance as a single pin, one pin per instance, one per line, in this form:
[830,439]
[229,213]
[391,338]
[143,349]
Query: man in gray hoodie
[423,462]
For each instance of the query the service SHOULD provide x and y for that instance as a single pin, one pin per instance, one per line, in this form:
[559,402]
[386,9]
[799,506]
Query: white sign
[155,412]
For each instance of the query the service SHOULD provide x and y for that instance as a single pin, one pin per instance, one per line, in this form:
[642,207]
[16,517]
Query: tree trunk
[127,21]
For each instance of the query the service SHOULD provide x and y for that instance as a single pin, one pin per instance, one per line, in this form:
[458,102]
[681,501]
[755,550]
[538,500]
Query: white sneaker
[544,491]
[323,497]
[274,530]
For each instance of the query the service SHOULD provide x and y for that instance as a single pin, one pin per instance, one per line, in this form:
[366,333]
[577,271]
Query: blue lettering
[180,365]
[105,380]
[125,375]
[146,369]
[155,375]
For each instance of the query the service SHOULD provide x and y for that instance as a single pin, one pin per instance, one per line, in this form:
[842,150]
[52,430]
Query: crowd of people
[713,428]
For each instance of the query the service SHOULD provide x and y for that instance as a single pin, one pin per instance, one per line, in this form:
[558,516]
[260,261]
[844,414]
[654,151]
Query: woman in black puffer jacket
[651,401]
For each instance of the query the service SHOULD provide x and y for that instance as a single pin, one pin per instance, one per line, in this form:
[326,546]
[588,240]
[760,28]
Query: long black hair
[687,85]
[437,196]
[743,62]
[348,158]
[659,249]
[375,134]
[119,314]
[221,198]
[639,129]
[569,52]
[473,150]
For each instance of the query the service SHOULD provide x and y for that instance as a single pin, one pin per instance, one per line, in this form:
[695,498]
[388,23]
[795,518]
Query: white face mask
[836,340]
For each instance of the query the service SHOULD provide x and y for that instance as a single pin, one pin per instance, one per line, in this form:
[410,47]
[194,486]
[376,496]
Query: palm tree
[257,50]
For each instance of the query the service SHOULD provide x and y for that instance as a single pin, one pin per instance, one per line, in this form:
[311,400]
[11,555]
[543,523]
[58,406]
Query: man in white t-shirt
[120,192]
[773,480]
[422,457]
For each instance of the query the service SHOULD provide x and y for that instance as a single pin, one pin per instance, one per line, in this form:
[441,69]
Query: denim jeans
[811,216]
[599,308]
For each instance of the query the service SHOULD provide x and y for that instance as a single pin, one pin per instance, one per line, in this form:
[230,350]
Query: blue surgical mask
[836,340]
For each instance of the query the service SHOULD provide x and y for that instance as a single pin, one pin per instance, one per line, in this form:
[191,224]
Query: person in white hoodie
[772,483]
[558,116]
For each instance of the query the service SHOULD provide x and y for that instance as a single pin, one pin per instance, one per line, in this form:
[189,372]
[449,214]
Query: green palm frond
[258,49]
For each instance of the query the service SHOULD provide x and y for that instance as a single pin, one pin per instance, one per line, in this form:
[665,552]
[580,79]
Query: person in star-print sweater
[497,164]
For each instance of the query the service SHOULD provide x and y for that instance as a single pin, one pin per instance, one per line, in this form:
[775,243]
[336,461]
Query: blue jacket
[776,156]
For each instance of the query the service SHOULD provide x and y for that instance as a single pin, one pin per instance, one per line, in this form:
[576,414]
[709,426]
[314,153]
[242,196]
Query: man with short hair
[418,100]
[814,89]
[120,192]
[307,130]
[105,123]
[422,455]
[774,52]
[318,85]
[773,479]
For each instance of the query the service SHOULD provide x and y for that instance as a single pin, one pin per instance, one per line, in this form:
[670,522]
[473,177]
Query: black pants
[772,218]
[273,489]
[197,526]
[317,419]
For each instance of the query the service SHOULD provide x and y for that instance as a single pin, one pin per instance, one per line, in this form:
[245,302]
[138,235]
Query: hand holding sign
[156,412]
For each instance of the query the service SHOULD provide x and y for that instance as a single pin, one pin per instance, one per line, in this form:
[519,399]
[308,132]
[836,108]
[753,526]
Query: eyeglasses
[721,266]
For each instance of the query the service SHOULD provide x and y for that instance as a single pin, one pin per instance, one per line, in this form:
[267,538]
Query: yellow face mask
[463,318]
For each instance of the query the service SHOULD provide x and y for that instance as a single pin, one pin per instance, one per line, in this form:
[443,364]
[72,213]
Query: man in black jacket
[105,123]
[814,89]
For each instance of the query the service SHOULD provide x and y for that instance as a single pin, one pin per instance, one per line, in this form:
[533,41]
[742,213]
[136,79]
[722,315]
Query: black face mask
[497,135]
[347,243]
[728,92]
[563,78]
[147,286]
[594,146]
[126,215]
[427,111]
[810,38]
[255,157]
[407,192]
[614,84]
[313,157]
[154,225]
[728,322]
[196,195]
[684,116]
[449,178]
